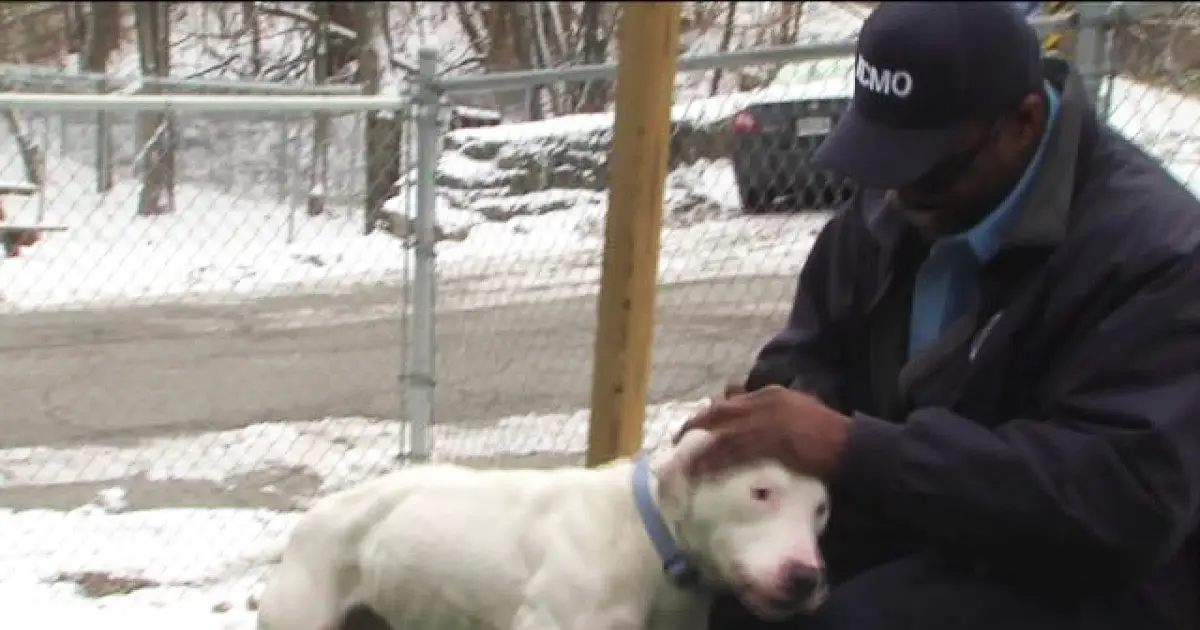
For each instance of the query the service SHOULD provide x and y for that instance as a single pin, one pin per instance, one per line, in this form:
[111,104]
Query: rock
[477,149]
[400,226]
[500,178]
[505,208]
[457,233]
[684,207]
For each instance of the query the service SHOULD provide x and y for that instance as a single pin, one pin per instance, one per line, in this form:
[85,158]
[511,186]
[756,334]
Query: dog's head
[753,528]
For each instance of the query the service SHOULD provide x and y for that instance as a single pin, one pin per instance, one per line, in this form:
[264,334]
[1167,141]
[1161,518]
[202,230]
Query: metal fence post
[104,175]
[424,283]
[1091,52]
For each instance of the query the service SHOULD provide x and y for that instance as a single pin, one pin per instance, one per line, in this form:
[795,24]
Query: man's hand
[793,428]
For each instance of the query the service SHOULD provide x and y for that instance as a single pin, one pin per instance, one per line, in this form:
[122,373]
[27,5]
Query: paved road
[118,374]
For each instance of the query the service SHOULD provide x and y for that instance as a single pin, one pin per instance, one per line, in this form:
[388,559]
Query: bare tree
[154,129]
[101,38]
[596,31]
[383,130]
[32,156]
[24,30]
[726,38]
[318,187]
[250,21]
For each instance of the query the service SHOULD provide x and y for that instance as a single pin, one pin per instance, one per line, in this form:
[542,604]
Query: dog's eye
[822,510]
[760,494]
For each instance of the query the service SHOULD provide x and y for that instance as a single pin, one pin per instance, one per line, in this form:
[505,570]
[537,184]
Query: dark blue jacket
[1051,437]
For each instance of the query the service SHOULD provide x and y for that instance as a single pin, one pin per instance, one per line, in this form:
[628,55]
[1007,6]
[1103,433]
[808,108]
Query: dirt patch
[278,488]
[97,584]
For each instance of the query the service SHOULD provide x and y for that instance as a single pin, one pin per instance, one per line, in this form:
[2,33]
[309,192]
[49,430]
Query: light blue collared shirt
[948,280]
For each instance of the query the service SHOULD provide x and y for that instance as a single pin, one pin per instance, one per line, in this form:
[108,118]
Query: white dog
[635,544]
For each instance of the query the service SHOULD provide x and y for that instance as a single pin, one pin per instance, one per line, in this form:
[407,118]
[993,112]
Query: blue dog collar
[676,565]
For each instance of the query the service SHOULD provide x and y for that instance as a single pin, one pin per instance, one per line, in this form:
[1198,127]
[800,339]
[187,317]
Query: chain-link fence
[522,208]
[140,374]
[268,150]
[253,201]
[484,253]
[526,204]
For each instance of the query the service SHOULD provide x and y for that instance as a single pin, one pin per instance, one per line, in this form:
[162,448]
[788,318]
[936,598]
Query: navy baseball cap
[922,70]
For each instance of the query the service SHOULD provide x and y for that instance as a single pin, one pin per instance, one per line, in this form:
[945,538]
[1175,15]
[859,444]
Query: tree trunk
[250,19]
[382,131]
[593,95]
[319,176]
[75,24]
[153,128]
[31,153]
[726,38]
[102,33]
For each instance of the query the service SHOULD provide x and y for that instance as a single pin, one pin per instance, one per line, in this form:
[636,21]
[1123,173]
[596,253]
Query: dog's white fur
[441,546]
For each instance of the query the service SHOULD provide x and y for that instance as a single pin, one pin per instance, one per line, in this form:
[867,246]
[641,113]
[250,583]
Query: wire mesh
[260,300]
[1153,94]
[522,206]
[178,207]
[219,285]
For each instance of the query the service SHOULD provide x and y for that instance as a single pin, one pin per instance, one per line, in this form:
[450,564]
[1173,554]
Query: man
[994,354]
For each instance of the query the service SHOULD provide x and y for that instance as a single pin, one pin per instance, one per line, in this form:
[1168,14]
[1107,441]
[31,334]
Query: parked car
[774,138]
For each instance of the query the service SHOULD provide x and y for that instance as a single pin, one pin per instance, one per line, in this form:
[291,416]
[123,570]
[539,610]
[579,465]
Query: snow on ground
[224,245]
[340,451]
[201,568]
[178,568]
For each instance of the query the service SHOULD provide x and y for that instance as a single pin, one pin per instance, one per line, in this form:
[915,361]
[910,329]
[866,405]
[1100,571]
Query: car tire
[756,201]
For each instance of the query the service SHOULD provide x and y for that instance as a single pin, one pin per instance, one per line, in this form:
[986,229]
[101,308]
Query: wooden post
[648,44]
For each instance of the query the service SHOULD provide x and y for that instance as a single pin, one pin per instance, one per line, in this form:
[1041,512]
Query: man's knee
[727,613]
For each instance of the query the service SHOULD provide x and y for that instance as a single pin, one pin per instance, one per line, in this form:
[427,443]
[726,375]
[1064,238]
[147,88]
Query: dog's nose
[803,580]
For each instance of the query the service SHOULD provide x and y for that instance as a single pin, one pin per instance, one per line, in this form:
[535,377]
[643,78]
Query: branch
[305,17]
[400,64]
[219,66]
[462,63]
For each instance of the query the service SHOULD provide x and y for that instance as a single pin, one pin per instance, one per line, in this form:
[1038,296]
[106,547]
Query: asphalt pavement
[127,373]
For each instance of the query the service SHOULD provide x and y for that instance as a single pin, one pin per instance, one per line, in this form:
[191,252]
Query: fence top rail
[201,103]
[352,102]
[90,80]
[500,81]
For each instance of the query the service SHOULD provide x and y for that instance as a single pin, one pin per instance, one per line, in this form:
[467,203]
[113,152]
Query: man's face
[962,189]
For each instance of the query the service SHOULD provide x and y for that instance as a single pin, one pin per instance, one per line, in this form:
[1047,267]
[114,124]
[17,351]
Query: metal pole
[421,333]
[1091,51]
[43,162]
[209,104]
[286,189]
[104,176]
[281,163]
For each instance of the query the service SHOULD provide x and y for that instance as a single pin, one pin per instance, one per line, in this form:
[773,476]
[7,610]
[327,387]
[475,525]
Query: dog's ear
[672,471]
